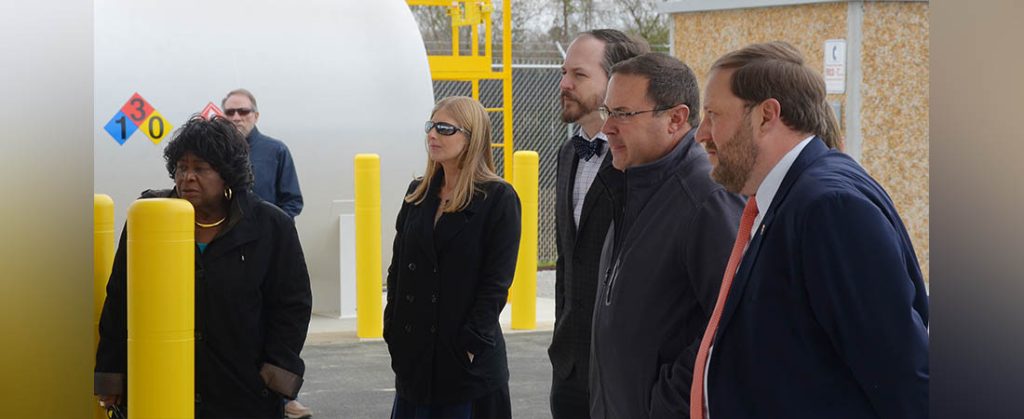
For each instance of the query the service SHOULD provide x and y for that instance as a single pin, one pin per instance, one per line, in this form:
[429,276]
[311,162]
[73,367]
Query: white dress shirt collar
[771,183]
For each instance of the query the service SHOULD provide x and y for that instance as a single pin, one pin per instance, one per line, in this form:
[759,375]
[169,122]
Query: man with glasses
[583,211]
[663,260]
[272,166]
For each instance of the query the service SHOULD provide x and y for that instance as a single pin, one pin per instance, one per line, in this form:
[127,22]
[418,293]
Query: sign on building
[835,66]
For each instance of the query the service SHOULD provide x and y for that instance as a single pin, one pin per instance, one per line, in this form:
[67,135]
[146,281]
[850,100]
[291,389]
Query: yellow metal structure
[161,309]
[102,259]
[476,66]
[524,295]
[369,310]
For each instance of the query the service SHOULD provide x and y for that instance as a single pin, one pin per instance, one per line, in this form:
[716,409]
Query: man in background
[272,165]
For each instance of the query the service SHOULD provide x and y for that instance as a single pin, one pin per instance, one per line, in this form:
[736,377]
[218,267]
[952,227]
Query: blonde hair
[476,165]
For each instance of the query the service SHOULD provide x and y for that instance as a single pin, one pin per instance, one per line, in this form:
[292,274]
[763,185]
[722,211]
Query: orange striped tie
[742,238]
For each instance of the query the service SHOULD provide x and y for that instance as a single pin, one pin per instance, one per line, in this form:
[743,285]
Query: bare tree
[641,18]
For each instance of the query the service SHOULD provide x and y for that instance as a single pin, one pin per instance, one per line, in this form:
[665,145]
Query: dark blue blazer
[828,312]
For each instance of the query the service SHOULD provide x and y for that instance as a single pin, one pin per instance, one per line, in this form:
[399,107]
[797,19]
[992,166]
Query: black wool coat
[252,302]
[446,287]
[576,269]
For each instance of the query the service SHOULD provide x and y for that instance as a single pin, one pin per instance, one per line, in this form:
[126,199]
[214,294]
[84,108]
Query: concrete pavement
[348,377]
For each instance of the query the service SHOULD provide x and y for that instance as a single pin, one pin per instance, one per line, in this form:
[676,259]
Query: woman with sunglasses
[454,257]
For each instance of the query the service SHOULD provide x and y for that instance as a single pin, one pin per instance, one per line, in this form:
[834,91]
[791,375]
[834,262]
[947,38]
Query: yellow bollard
[369,282]
[103,258]
[524,286]
[103,254]
[161,309]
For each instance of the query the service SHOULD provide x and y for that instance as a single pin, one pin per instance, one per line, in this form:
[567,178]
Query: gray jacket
[663,265]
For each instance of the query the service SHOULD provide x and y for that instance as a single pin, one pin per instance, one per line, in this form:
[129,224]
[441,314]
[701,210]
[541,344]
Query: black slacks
[570,397]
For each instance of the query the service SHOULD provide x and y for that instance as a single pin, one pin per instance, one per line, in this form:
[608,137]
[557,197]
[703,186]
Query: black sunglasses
[443,128]
[240,111]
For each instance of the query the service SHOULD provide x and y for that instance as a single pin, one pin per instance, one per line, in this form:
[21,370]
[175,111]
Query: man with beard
[583,211]
[823,311]
[668,248]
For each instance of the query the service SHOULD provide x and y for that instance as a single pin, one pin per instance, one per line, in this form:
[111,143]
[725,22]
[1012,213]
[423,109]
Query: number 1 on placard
[124,129]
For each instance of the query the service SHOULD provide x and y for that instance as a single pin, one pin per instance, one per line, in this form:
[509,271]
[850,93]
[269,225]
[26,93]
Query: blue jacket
[274,172]
[828,313]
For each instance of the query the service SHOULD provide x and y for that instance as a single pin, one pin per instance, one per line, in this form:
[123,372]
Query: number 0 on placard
[156,127]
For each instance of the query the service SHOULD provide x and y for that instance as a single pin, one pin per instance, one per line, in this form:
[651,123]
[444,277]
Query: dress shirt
[765,193]
[586,172]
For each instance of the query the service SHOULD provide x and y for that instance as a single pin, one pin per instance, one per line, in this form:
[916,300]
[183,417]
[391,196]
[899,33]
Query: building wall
[892,138]
[894,111]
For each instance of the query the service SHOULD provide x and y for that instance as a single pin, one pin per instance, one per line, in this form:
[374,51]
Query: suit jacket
[446,287]
[576,269]
[828,313]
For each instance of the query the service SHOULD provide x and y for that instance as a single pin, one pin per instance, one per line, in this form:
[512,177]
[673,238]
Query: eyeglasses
[620,115]
[240,111]
[443,128]
[181,172]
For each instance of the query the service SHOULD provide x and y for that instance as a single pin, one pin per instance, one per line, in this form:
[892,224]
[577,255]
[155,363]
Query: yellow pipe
[506,86]
[103,259]
[161,309]
[369,313]
[487,33]
[475,36]
[524,297]
[455,14]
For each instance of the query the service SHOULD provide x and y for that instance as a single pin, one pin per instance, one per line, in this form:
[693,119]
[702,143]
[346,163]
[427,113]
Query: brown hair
[476,164]
[776,70]
[618,46]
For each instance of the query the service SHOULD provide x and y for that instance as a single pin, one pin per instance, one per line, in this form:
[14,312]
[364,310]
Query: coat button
[199,399]
[433,298]
[433,329]
[409,297]
[435,269]
[265,392]
[408,328]
[412,266]
[199,335]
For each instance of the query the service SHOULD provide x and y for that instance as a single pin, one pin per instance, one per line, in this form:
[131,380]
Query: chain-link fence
[536,126]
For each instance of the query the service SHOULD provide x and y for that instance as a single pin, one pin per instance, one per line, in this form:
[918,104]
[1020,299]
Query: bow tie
[586,149]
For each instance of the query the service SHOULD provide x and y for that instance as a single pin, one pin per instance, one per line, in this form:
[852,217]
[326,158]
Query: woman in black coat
[252,296]
[454,258]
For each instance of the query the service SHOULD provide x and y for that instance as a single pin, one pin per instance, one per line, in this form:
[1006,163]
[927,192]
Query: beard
[735,159]
[583,107]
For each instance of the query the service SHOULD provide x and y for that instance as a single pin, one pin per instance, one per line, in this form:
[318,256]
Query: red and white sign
[835,66]
[211,110]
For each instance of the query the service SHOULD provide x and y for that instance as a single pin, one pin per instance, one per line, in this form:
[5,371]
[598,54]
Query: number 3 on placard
[139,106]
[156,127]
